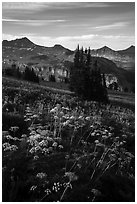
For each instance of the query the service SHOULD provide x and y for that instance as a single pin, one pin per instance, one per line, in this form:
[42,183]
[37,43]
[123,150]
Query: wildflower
[58,106]
[9,137]
[15,128]
[121,143]
[65,108]
[93,134]
[5,145]
[42,143]
[80,117]
[124,136]
[55,117]
[47,191]
[60,147]
[55,144]
[87,118]
[72,117]
[28,114]
[109,134]
[43,132]
[41,175]
[66,123]
[61,113]
[33,188]
[79,166]
[34,116]
[11,148]
[96,192]
[129,154]
[104,137]
[36,157]
[99,144]
[71,176]
[50,139]
[37,136]
[54,110]
[117,139]
[32,132]
[32,150]
[96,141]
[37,148]
[28,119]
[15,138]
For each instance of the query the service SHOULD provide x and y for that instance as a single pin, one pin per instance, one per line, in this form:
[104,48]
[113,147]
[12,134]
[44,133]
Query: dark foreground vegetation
[57,147]
[86,79]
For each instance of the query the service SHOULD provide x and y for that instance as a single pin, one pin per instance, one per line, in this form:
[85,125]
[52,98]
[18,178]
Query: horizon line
[66,47]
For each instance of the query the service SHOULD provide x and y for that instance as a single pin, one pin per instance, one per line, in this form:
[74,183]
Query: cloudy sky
[93,24]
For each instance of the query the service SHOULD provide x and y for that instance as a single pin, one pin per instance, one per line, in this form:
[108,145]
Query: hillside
[125,78]
[123,58]
[129,51]
[50,140]
[23,52]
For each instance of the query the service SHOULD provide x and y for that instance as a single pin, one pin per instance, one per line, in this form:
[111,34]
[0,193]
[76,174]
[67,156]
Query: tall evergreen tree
[85,77]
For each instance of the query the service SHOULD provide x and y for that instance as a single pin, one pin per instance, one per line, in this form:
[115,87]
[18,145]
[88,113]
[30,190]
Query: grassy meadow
[57,147]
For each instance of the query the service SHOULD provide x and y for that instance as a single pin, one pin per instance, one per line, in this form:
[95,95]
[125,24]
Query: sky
[89,24]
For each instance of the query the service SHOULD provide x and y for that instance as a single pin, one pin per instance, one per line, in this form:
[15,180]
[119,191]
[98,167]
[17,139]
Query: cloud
[33,22]
[52,5]
[112,26]
[78,38]
[77,5]
[23,6]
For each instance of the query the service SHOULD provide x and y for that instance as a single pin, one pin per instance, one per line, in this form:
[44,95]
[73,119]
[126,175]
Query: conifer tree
[85,77]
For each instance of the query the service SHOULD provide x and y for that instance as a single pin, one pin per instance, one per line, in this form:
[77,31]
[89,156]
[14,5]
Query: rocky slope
[123,58]
[23,52]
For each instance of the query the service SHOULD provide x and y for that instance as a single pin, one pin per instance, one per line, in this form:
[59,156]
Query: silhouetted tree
[86,79]
[52,78]
[30,75]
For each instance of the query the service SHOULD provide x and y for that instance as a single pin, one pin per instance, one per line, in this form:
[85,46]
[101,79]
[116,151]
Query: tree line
[28,74]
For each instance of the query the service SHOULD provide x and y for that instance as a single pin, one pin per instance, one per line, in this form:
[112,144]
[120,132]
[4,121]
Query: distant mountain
[129,51]
[18,43]
[23,51]
[122,58]
[104,51]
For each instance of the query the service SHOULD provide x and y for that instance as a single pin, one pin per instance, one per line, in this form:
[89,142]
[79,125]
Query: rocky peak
[22,42]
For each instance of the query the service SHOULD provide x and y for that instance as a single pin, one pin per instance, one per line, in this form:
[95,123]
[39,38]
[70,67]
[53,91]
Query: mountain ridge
[58,45]
[27,50]
[23,51]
